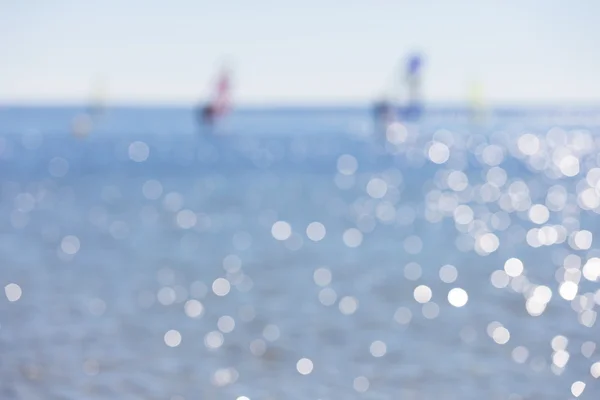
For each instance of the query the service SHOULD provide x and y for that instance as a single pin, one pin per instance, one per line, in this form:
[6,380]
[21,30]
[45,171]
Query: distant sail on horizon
[477,106]
[404,98]
[83,123]
[98,101]
[220,103]
[414,67]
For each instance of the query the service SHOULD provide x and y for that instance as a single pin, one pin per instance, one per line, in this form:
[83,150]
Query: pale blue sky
[298,52]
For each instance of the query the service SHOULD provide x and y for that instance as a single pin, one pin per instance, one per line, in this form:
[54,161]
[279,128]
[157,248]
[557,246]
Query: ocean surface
[299,254]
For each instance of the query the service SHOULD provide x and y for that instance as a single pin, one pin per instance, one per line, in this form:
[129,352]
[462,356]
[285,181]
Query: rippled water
[299,256]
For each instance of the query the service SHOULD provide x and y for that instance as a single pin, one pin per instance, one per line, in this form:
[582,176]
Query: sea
[299,253]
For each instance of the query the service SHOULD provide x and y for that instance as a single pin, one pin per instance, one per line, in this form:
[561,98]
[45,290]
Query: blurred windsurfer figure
[413,80]
[383,112]
[220,104]
[83,123]
[406,91]
[208,114]
[477,107]
[97,105]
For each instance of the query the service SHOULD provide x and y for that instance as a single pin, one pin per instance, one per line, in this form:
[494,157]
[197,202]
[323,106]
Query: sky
[301,52]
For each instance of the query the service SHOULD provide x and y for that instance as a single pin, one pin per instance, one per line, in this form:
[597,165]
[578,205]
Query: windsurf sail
[223,97]
[220,103]
[477,105]
[414,66]
[83,123]
[97,104]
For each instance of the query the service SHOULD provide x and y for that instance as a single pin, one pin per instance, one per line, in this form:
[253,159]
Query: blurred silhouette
[405,101]
[83,123]
[384,112]
[220,103]
[97,105]
[477,107]
[414,105]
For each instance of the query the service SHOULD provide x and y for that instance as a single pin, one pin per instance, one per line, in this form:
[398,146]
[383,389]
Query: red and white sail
[221,103]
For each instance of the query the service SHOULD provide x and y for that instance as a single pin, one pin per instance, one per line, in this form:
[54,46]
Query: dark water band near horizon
[301,254]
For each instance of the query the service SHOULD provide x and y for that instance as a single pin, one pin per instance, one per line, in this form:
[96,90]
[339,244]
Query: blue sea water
[299,254]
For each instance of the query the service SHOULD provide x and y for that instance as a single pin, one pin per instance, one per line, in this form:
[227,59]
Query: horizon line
[290,104]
